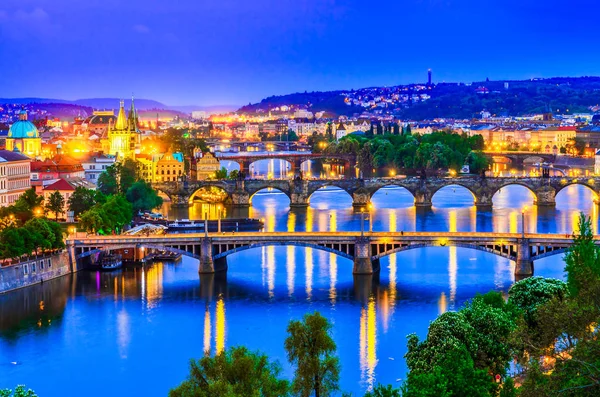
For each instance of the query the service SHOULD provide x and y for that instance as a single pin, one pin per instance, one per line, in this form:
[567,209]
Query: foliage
[36,234]
[311,349]
[108,182]
[108,217]
[528,294]
[143,197]
[438,150]
[583,258]
[477,336]
[83,199]
[56,204]
[221,173]
[383,391]
[24,207]
[235,372]
[19,391]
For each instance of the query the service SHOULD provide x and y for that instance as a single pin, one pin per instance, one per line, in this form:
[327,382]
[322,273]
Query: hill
[565,95]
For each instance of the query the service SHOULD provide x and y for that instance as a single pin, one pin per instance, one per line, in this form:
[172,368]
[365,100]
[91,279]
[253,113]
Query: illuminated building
[340,131]
[14,176]
[24,136]
[99,122]
[170,167]
[49,171]
[147,167]
[207,166]
[123,138]
[66,187]
[94,165]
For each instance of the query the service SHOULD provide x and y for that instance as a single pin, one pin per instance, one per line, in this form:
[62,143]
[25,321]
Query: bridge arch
[326,190]
[454,185]
[505,251]
[348,253]
[403,194]
[587,185]
[221,194]
[252,192]
[161,247]
[514,182]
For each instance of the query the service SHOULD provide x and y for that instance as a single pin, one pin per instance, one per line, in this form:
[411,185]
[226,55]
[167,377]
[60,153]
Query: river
[133,331]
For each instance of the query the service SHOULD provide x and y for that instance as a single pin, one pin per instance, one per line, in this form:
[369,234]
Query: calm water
[133,331]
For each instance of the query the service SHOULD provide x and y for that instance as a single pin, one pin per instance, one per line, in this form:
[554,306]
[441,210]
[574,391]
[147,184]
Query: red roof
[61,184]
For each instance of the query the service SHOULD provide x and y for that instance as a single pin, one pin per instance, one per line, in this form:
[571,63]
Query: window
[41,265]
[49,263]
[25,269]
[33,267]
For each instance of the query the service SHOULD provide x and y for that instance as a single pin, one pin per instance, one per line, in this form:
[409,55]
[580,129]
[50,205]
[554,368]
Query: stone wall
[34,271]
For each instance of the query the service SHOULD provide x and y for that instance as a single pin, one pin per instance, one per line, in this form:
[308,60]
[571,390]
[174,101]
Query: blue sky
[217,52]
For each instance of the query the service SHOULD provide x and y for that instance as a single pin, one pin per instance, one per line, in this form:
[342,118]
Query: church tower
[123,136]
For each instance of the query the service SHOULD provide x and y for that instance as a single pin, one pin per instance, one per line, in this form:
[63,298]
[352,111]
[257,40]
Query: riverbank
[34,271]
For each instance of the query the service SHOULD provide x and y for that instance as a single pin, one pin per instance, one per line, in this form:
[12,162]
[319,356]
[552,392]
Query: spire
[121,123]
[132,118]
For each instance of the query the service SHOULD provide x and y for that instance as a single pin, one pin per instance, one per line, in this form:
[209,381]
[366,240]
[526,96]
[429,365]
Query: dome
[23,128]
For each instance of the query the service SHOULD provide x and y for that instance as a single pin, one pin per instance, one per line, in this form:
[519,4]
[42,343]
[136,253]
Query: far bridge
[240,192]
[295,159]
[364,249]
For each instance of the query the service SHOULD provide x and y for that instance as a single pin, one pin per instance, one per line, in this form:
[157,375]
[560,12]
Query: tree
[13,243]
[528,294]
[108,182]
[383,391]
[143,197]
[583,258]
[234,175]
[19,391]
[128,174]
[235,372]
[82,200]
[221,174]
[41,233]
[311,349]
[56,204]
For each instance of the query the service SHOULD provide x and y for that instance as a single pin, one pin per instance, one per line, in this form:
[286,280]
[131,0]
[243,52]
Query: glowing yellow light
[220,325]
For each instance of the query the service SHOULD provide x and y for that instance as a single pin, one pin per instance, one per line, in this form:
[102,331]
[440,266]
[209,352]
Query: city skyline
[232,53]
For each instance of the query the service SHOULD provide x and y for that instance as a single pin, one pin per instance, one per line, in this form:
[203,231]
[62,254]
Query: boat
[111,262]
[227,225]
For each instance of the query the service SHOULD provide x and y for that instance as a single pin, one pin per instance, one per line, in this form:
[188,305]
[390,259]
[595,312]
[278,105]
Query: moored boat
[111,262]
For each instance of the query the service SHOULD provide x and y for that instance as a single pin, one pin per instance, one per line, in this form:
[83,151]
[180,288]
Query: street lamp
[219,218]
[523,222]
[362,221]
[206,224]
[370,218]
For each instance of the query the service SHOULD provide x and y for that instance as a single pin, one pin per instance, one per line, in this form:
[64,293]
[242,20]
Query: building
[340,131]
[94,165]
[170,167]
[46,172]
[123,138]
[99,122]
[65,187]
[24,136]
[207,166]
[14,176]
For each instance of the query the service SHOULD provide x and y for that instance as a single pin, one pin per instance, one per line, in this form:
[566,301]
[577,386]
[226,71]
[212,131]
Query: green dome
[23,129]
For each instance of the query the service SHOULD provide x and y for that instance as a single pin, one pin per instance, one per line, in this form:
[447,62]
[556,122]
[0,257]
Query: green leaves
[56,204]
[311,349]
[235,372]
[107,217]
[143,197]
[19,391]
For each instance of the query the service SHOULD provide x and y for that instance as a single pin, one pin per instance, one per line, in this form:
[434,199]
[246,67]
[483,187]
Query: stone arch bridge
[364,249]
[295,159]
[240,192]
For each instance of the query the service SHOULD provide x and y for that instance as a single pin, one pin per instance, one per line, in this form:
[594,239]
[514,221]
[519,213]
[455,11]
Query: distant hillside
[564,95]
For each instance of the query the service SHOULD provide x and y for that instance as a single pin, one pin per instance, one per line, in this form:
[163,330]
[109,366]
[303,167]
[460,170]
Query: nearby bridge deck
[364,248]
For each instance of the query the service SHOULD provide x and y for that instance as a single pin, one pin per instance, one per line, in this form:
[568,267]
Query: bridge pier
[298,200]
[207,264]
[483,201]
[524,264]
[422,199]
[180,200]
[362,257]
[361,199]
[545,197]
[240,198]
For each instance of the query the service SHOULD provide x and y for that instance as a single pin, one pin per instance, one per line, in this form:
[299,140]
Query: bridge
[518,158]
[240,192]
[364,249]
[295,159]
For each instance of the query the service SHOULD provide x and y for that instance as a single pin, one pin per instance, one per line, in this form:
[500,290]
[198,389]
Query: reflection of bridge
[364,249]
[295,159]
[361,190]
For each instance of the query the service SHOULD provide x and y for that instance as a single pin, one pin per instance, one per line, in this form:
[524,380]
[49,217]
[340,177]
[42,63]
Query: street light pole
[362,222]
[523,223]
[219,219]
[206,224]
[370,218]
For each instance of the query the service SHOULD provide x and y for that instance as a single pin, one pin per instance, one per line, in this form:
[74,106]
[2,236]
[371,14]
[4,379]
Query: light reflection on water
[124,323]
